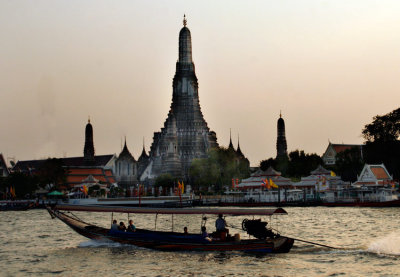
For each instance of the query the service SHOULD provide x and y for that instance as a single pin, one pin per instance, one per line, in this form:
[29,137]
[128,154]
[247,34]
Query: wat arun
[185,135]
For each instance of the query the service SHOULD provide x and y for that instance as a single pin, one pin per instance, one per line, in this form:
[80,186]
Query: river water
[33,244]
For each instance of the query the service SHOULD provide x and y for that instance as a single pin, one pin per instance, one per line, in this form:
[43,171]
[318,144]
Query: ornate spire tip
[184,20]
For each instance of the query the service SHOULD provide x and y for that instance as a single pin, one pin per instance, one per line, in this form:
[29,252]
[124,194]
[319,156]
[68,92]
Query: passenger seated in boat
[185,230]
[204,233]
[114,225]
[122,226]
[131,227]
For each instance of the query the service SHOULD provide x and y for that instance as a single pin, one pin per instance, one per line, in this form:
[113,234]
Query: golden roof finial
[184,20]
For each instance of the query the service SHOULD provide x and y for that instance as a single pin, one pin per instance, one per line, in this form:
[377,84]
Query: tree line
[51,171]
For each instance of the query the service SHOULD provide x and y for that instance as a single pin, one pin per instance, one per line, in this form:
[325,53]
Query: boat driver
[220,224]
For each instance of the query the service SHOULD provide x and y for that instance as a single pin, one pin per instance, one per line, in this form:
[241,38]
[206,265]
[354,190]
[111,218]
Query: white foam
[97,243]
[389,245]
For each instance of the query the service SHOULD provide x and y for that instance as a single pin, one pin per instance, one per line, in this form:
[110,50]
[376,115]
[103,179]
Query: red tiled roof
[85,171]
[109,173]
[77,175]
[77,179]
[379,173]
[342,147]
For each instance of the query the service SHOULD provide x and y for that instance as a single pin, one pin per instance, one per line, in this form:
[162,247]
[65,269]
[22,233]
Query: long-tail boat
[264,239]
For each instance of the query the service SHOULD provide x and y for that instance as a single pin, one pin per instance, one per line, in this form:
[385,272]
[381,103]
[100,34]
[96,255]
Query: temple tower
[281,146]
[126,168]
[142,161]
[185,126]
[230,147]
[238,150]
[88,151]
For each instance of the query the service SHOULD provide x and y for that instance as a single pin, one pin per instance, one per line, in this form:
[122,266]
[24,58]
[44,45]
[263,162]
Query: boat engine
[257,228]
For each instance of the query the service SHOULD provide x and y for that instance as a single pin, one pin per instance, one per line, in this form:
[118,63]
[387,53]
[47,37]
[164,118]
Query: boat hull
[171,241]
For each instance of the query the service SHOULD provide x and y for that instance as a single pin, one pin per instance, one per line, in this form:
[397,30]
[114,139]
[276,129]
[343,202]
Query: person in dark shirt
[122,226]
[220,224]
[204,233]
[131,227]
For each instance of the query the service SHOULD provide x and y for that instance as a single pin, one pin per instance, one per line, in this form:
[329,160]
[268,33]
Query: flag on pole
[266,184]
[12,191]
[273,184]
[84,189]
[181,187]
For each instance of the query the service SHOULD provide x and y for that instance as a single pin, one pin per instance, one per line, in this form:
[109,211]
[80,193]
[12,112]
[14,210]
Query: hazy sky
[330,66]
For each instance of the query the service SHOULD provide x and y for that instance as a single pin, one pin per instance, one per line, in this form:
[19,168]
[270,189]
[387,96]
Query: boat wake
[97,243]
[388,245]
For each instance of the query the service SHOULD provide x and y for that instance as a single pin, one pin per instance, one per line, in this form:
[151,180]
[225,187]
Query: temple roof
[238,151]
[78,175]
[30,165]
[379,172]
[320,171]
[90,179]
[125,153]
[3,164]
[342,147]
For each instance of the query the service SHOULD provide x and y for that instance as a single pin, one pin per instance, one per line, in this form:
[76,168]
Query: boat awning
[145,210]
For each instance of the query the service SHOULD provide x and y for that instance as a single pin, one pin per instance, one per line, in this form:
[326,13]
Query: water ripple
[34,245]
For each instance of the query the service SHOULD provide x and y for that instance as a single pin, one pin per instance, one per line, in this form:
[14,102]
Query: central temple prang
[185,135]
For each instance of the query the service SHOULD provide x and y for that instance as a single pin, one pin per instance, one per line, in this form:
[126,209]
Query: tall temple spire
[88,151]
[281,146]
[185,128]
[230,140]
[125,152]
[185,44]
[238,150]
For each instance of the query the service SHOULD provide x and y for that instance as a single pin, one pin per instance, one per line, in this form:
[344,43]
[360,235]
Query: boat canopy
[146,210]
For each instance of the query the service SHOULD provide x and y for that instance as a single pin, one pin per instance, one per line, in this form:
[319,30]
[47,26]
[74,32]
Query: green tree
[382,141]
[388,153]
[52,171]
[298,164]
[24,185]
[265,164]
[218,170]
[301,164]
[349,163]
[280,164]
[383,128]
[165,180]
